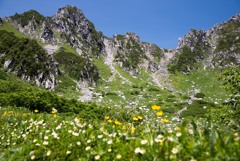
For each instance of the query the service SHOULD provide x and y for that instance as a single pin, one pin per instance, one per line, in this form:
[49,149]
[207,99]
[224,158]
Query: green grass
[206,81]
[10,28]
[67,87]
[11,83]
[103,69]
[39,136]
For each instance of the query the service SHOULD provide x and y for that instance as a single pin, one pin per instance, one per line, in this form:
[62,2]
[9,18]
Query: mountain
[66,54]
[217,47]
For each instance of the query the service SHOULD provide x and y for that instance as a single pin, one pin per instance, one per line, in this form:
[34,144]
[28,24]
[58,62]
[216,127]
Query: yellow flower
[164,120]
[5,113]
[160,113]
[110,121]
[155,107]
[54,115]
[107,117]
[132,129]
[36,111]
[139,117]
[117,122]
[135,118]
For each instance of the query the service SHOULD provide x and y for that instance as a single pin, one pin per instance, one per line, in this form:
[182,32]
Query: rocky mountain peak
[193,38]
[28,17]
[235,18]
[72,14]
[131,35]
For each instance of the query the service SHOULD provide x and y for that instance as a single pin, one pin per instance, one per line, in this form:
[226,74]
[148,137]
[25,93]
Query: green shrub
[198,108]
[76,66]
[27,58]
[200,95]
[28,16]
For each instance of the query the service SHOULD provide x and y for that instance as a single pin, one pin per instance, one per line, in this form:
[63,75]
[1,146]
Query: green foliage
[184,62]
[76,66]
[200,95]
[26,57]
[28,16]
[198,108]
[157,52]
[205,81]
[28,136]
[229,34]
[224,117]
[231,114]
[231,78]
[10,28]
[44,101]
[11,83]
[133,56]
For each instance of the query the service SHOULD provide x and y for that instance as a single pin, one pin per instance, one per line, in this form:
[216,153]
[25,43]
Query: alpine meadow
[68,92]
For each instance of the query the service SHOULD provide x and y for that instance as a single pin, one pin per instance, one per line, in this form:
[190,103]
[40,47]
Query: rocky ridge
[70,27]
[217,47]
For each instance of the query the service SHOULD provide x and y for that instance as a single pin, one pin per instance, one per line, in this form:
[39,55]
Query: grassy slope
[8,27]
[205,81]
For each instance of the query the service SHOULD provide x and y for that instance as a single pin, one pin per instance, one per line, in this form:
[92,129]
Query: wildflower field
[147,135]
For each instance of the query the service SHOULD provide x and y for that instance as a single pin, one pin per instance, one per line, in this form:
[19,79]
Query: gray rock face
[47,35]
[217,47]
[77,31]
[132,54]
[152,66]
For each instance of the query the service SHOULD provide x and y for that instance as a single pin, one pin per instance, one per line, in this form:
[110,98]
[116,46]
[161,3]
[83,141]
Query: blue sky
[156,21]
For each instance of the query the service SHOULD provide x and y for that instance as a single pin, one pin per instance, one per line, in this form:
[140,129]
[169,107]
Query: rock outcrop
[217,47]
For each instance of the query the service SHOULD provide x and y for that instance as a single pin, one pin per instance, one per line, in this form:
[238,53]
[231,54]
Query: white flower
[35,140]
[78,143]
[190,131]
[45,137]
[45,143]
[87,148]
[59,126]
[138,150]
[75,134]
[100,136]
[144,142]
[48,152]
[54,110]
[109,150]
[68,152]
[178,134]
[160,136]
[89,141]
[157,140]
[119,156]
[33,157]
[109,142]
[175,150]
[170,139]
[97,157]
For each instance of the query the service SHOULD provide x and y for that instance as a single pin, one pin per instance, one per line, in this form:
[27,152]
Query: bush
[198,108]
[200,95]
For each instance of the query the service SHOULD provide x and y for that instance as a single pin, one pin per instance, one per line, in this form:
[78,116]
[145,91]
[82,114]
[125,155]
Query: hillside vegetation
[67,92]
